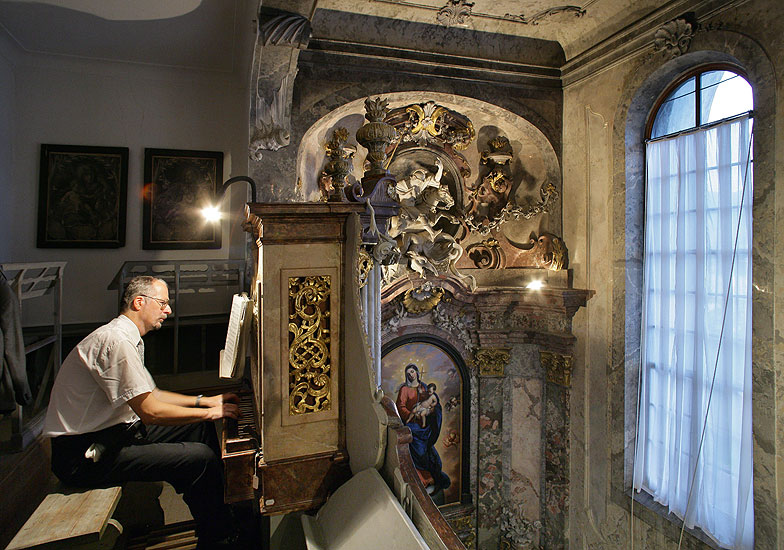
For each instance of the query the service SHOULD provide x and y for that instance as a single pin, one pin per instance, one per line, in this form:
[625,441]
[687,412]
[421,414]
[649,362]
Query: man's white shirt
[97,379]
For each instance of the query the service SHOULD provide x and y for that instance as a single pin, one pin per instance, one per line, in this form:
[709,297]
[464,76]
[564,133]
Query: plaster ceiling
[205,34]
[576,25]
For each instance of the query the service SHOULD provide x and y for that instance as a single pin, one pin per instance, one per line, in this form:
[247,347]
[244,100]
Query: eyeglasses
[162,303]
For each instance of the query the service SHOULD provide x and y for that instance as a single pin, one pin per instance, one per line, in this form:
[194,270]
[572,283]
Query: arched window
[694,446]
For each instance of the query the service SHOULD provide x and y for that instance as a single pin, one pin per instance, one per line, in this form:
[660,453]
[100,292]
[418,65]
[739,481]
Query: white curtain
[693,199]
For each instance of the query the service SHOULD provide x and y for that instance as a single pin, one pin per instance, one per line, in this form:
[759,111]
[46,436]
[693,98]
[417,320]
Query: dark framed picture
[178,185]
[82,196]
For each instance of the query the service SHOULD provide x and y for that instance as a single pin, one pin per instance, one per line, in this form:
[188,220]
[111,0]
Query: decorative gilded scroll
[491,361]
[557,367]
[309,345]
[422,299]
[364,267]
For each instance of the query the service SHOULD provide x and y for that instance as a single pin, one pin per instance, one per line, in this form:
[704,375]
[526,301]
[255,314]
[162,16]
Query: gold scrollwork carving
[364,267]
[462,523]
[309,344]
[491,361]
[557,367]
[422,299]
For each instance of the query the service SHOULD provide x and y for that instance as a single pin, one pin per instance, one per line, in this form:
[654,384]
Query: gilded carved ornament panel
[310,370]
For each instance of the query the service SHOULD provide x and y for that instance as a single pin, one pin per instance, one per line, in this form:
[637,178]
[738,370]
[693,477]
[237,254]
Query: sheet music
[232,357]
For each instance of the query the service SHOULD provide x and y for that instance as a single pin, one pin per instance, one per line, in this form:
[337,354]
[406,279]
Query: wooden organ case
[314,419]
[296,446]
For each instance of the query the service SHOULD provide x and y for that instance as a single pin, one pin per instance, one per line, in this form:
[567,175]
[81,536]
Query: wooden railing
[401,476]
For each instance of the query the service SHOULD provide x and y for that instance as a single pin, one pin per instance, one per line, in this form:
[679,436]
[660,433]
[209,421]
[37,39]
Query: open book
[232,357]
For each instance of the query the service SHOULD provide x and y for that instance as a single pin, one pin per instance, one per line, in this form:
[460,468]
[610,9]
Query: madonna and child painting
[426,385]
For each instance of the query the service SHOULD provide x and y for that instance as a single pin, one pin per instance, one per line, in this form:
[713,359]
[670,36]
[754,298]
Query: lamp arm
[229,181]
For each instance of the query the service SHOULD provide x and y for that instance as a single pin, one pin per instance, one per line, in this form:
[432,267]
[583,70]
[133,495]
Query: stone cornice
[637,38]
[338,53]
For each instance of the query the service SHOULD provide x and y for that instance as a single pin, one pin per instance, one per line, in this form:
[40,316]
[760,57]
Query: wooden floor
[179,536]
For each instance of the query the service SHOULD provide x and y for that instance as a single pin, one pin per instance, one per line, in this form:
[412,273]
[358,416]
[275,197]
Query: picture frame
[82,196]
[443,424]
[178,184]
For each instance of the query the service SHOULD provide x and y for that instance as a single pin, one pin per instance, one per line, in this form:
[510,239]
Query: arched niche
[534,163]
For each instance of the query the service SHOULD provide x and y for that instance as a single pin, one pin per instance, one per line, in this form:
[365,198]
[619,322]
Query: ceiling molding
[456,11]
[637,38]
[323,53]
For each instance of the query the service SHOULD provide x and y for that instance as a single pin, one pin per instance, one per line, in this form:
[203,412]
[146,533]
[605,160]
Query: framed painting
[82,196]
[425,378]
[178,184]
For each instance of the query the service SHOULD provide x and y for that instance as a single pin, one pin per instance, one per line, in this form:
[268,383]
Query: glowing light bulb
[535,285]
[211,213]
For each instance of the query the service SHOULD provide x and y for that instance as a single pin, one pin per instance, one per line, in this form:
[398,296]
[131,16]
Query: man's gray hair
[138,286]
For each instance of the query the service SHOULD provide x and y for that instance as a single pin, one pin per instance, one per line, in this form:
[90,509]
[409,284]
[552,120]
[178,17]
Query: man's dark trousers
[187,457]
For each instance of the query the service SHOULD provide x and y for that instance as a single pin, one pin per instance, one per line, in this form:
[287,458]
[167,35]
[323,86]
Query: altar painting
[427,387]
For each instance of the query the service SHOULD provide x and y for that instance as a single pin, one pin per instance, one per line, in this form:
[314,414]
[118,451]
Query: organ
[313,418]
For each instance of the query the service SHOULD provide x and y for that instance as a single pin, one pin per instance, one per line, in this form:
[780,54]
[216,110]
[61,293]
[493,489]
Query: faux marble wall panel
[490,461]
[623,93]
[524,479]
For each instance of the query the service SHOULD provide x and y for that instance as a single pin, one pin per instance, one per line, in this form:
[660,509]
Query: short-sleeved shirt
[97,379]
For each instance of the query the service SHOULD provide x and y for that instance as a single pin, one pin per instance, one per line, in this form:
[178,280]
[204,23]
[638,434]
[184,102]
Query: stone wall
[606,102]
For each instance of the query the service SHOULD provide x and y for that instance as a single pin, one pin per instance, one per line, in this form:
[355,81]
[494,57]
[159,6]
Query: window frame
[678,81]
[651,509]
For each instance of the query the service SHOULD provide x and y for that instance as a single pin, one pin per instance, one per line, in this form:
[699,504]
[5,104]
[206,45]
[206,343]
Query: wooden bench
[72,518]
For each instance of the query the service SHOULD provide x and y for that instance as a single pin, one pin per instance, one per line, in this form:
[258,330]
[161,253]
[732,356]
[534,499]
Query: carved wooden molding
[310,371]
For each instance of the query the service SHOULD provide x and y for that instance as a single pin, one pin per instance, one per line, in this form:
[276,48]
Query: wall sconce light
[535,285]
[212,213]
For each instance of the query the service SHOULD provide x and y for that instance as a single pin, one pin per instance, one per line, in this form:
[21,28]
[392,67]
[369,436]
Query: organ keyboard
[239,441]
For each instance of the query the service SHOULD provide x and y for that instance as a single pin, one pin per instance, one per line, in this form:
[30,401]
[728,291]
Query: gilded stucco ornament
[432,124]
[557,367]
[491,361]
[422,299]
[364,267]
[674,38]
